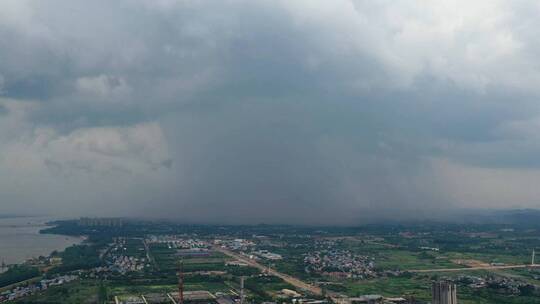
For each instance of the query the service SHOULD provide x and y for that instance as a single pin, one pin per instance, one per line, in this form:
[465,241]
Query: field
[75,292]
[134,247]
[419,288]
[167,258]
[345,262]
[142,289]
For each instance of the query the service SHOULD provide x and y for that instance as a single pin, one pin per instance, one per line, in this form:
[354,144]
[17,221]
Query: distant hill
[520,216]
[4,216]
[516,217]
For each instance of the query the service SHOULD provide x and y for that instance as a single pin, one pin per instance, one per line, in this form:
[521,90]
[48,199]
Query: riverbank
[20,239]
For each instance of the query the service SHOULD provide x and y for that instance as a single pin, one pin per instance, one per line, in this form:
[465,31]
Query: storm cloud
[268,111]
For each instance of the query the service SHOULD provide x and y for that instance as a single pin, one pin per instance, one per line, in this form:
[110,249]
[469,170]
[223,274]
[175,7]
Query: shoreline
[31,227]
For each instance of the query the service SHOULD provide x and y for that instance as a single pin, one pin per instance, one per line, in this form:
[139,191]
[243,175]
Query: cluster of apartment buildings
[100,222]
[32,288]
[178,242]
[125,264]
[235,244]
[504,285]
[340,263]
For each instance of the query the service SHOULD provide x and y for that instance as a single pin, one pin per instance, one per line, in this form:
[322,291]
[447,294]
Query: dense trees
[78,257]
[17,274]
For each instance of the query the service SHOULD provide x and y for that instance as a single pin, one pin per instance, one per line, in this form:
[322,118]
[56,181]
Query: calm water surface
[20,239]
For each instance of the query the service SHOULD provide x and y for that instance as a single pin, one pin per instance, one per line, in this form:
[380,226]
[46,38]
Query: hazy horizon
[312,112]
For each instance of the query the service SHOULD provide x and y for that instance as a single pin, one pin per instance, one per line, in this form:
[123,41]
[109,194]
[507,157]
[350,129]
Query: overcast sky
[268,111]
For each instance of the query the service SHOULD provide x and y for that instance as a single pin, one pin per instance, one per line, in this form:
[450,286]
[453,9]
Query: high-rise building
[443,293]
[100,222]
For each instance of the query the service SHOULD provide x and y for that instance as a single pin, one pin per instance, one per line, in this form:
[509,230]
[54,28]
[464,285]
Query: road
[476,268]
[285,277]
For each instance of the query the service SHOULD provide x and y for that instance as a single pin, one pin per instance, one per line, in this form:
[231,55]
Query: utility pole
[532,258]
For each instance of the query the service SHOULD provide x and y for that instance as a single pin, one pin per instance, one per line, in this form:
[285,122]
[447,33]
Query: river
[20,239]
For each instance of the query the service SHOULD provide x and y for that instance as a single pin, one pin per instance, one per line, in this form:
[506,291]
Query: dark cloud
[277,111]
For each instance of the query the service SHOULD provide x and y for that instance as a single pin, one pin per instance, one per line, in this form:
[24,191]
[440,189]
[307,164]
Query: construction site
[178,297]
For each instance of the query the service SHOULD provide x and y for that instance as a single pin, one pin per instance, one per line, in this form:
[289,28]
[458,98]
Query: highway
[285,277]
[475,268]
